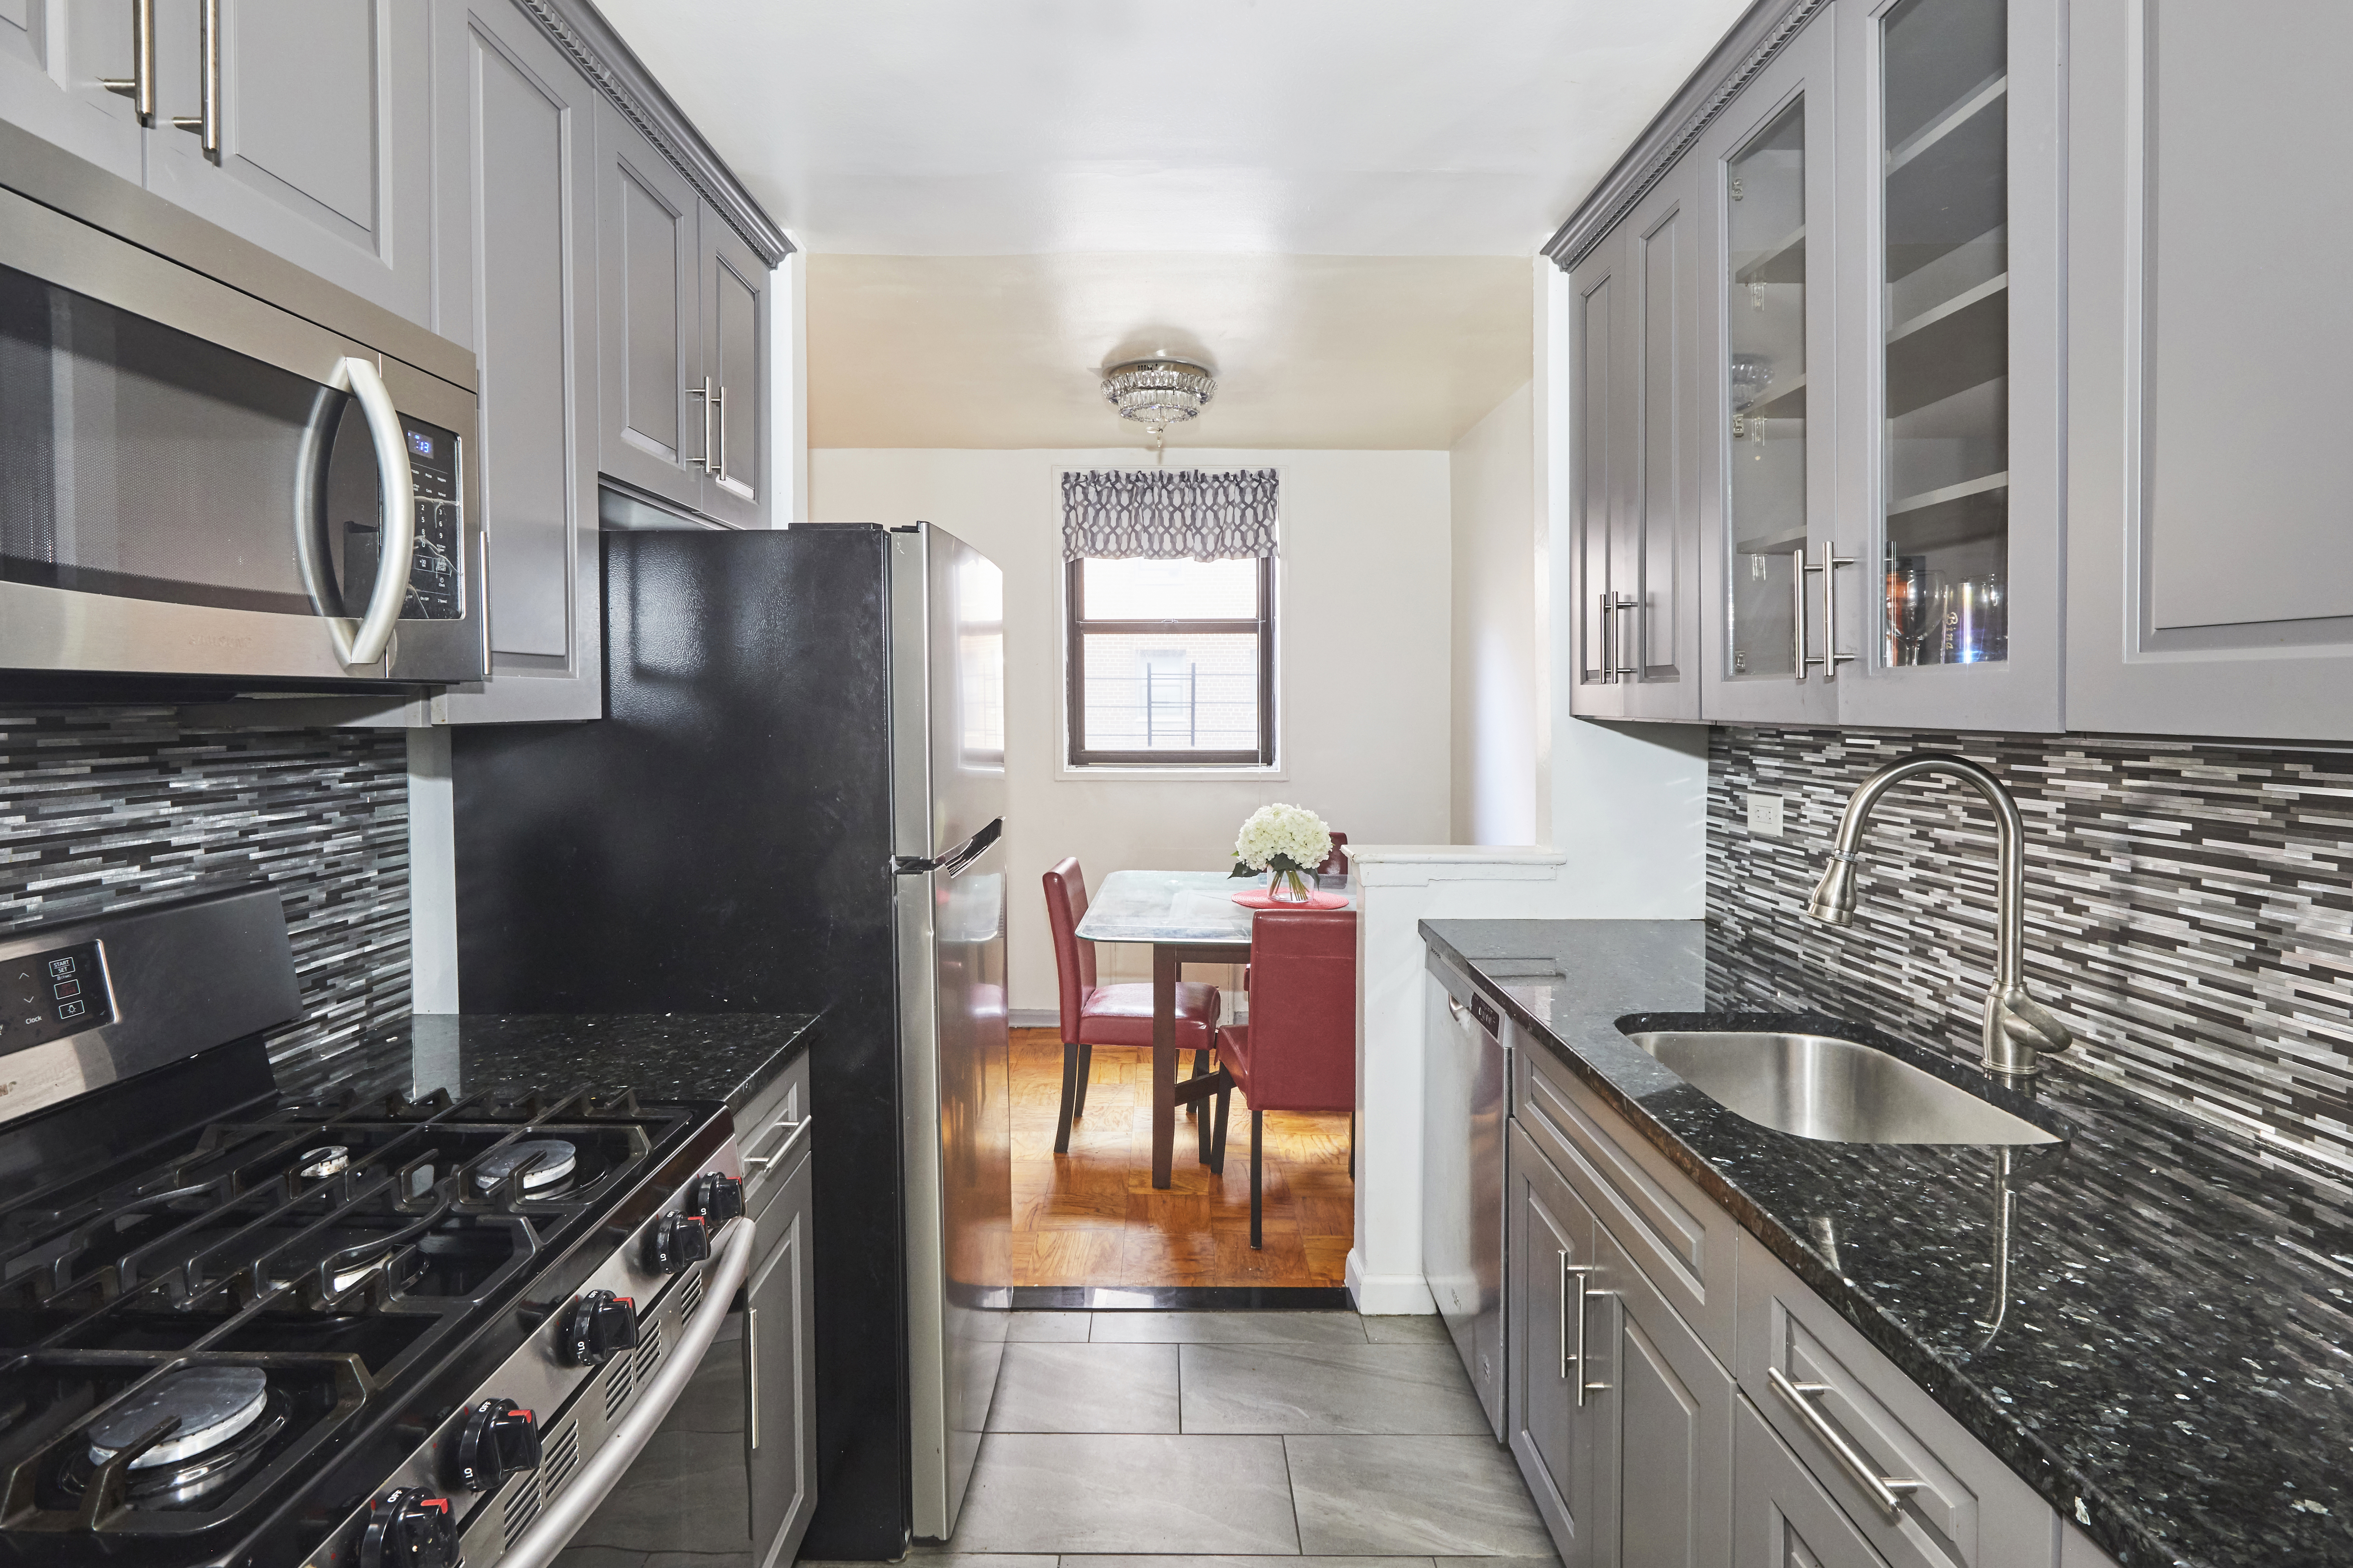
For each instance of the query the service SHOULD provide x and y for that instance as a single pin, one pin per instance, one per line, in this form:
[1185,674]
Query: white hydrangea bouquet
[1289,841]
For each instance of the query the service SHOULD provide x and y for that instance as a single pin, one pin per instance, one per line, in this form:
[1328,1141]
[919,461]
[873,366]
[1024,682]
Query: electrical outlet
[1764,814]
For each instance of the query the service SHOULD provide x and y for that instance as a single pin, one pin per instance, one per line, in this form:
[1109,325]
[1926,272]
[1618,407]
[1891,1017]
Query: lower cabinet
[781,1403]
[1620,1418]
[1783,1518]
[1645,1449]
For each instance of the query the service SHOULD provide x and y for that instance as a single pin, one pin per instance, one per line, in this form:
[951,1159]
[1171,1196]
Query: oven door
[728,1477]
[194,482]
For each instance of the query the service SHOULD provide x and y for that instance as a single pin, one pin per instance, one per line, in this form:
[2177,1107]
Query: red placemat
[1260,899]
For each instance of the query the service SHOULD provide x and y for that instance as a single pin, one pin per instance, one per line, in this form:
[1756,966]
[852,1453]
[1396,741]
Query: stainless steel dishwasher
[1465,1079]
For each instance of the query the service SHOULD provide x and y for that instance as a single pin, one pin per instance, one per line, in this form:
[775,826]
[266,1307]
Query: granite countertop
[664,1057]
[2172,1365]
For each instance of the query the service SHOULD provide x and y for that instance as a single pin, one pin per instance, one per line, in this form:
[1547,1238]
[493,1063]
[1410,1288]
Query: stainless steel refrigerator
[795,803]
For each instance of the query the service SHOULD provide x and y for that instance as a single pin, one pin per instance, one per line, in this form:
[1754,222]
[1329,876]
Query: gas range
[241,1328]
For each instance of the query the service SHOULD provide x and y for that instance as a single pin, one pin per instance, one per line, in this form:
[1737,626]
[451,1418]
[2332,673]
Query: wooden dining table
[1187,917]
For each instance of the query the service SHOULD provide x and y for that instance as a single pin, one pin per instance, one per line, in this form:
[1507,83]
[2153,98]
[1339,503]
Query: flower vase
[1288,887]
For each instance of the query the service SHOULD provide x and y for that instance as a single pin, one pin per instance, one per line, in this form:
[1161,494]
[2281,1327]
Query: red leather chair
[1096,1015]
[1298,1052]
[1336,863]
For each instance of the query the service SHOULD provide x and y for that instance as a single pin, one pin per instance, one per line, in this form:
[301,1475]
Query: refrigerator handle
[955,860]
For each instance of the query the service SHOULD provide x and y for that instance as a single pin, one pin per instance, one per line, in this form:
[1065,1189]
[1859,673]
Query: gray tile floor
[1163,1439]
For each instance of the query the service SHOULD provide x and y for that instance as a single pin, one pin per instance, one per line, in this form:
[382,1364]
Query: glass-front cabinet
[1768,465]
[1877,359]
[1958,583]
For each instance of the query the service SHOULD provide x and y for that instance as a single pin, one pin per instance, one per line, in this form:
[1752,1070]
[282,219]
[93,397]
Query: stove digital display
[48,996]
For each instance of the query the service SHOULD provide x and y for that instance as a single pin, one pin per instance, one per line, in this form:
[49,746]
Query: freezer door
[947,679]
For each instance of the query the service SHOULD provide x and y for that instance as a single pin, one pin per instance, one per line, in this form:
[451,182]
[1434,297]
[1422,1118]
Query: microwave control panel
[437,579]
[48,996]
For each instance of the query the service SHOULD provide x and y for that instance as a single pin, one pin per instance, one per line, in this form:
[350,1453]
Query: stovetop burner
[210,1404]
[545,1163]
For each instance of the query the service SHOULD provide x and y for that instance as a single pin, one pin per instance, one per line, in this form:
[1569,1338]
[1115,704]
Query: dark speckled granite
[664,1057]
[2172,1362]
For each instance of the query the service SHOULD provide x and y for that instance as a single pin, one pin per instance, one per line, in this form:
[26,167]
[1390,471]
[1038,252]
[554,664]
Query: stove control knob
[715,1199]
[599,1327]
[498,1439]
[410,1528]
[678,1239]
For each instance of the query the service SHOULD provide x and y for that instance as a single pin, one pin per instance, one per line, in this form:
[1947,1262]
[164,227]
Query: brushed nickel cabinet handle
[207,122]
[1831,561]
[752,1361]
[1609,624]
[707,392]
[1798,598]
[1619,641]
[718,419]
[1798,660]
[1887,1491]
[139,86]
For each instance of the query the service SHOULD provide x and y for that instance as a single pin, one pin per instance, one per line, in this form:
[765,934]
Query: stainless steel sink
[1818,1086]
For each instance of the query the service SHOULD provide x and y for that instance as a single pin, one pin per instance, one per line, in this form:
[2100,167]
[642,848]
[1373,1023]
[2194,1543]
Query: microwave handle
[365,643]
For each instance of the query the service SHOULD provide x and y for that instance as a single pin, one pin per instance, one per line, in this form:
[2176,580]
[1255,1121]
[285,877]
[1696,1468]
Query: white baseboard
[1033,1017]
[1388,1295]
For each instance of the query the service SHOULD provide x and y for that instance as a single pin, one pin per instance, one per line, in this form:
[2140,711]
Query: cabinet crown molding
[584,35]
[1759,35]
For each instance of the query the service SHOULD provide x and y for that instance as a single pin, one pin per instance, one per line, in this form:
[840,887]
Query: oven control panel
[48,996]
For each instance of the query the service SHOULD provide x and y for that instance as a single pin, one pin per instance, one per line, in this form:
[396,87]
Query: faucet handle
[2030,1024]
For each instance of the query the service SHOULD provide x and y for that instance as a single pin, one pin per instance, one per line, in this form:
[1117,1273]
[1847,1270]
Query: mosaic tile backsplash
[2189,910]
[102,807]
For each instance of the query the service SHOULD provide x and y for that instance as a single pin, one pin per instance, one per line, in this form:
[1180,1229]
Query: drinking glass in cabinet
[1765,238]
[1945,137]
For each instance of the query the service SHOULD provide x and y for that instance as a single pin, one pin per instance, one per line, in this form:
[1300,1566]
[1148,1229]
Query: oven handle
[553,1530]
[367,643]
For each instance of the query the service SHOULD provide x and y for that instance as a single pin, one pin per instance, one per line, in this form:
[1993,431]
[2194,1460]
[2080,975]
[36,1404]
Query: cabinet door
[1552,1234]
[2209,589]
[1656,552]
[53,55]
[734,358]
[782,1397]
[1782,1518]
[649,339]
[322,153]
[1951,513]
[519,123]
[1659,1412]
[1599,509]
[1769,459]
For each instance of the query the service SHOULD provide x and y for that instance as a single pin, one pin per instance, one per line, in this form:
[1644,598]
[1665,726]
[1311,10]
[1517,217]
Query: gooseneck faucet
[2017,1027]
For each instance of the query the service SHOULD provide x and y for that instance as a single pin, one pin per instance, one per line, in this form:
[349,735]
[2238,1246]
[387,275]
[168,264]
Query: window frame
[1077,627]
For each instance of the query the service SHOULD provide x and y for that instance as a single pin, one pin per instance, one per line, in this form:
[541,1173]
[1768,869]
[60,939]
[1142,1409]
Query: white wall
[1491,485]
[1363,661]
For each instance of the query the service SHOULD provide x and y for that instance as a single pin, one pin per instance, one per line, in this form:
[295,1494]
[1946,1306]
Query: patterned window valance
[1190,514]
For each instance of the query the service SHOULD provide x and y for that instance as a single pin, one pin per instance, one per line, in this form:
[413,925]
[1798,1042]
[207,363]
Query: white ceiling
[1320,127]
[1262,131]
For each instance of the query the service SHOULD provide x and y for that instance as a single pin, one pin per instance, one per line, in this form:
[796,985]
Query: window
[1172,662]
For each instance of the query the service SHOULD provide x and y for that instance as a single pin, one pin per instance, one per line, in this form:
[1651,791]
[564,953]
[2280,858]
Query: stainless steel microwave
[196,482]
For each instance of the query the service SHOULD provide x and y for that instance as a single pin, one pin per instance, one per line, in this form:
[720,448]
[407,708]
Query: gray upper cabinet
[2210,584]
[1949,363]
[304,125]
[1872,455]
[1768,459]
[684,304]
[649,258]
[1634,376]
[519,221]
[734,367]
[56,57]
[301,125]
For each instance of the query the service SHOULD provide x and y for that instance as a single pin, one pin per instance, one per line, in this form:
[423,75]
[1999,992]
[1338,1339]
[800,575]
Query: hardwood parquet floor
[1093,1217]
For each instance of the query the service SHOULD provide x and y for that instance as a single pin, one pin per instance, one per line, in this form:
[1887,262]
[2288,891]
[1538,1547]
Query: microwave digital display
[420,443]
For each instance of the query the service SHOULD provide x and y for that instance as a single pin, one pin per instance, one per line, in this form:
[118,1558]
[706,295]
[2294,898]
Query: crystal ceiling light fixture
[1159,392]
